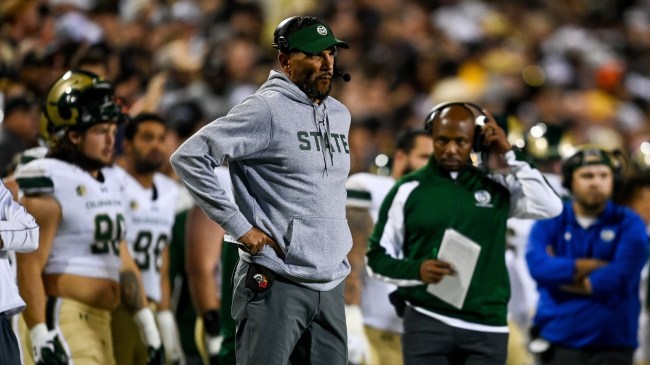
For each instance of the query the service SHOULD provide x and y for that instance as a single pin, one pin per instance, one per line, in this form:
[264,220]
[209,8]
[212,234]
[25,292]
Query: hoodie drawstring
[329,143]
[325,136]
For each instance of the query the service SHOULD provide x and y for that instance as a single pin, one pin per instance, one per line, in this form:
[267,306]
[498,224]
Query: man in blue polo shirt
[587,264]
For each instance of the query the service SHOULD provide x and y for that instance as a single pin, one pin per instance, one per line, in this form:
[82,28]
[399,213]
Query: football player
[151,199]
[368,310]
[82,268]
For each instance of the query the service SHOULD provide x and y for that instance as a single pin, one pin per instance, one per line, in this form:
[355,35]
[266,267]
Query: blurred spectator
[18,129]
[635,193]
[96,58]
[20,22]
[580,65]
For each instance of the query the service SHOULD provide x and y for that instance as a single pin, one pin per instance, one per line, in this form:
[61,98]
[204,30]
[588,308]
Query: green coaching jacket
[422,205]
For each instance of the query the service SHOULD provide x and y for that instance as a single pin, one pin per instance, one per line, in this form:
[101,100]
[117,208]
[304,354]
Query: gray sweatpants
[288,324]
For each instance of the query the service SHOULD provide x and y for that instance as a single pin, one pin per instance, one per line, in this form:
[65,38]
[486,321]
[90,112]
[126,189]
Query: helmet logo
[86,118]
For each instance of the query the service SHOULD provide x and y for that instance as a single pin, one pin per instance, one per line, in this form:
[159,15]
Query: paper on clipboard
[462,253]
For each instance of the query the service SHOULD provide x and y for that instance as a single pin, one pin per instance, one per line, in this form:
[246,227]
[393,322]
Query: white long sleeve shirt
[19,232]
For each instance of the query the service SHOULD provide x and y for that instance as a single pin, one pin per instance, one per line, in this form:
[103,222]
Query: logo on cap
[321,30]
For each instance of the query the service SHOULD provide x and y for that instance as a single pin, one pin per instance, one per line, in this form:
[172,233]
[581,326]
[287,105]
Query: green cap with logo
[313,39]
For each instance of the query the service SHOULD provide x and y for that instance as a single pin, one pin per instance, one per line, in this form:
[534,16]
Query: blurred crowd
[576,65]
[554,74]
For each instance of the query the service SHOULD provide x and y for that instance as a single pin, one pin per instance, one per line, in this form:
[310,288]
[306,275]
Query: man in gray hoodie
[287,150]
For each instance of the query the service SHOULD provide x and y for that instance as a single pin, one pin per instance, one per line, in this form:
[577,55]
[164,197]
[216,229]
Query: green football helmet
[78,100]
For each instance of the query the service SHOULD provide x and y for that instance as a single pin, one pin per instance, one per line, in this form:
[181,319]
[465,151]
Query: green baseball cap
[314,39]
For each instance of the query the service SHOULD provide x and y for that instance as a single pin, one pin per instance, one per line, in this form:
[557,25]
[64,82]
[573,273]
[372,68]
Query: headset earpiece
[479,121]
[279,40]
[282,43]
[567,172]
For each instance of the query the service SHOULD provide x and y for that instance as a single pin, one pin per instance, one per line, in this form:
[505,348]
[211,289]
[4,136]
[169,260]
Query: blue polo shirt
[609,317]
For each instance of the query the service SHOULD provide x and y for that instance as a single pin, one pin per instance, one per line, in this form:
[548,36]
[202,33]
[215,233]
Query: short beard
[147,167]
[592,208]
[88,163]
[311,90]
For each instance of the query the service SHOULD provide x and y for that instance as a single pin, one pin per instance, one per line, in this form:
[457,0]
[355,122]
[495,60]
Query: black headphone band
[479,121]
[428,122]
[279,40]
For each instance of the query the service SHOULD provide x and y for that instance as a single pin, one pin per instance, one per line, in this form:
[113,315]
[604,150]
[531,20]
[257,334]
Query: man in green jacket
[449,197]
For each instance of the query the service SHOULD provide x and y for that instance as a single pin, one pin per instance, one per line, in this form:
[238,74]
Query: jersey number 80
[108,233]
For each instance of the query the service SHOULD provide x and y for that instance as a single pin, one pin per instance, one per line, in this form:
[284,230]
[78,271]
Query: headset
[614,159]
[279,40]
[479,121]
[281,43]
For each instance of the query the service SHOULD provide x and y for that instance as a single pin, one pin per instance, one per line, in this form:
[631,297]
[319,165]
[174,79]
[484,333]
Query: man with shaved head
[452,197]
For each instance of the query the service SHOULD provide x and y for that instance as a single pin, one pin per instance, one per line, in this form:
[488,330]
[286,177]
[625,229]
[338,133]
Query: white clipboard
[462,253]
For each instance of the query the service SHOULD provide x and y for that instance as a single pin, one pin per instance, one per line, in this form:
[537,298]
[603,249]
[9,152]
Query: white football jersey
[368,191]
[92,224]
[150,214]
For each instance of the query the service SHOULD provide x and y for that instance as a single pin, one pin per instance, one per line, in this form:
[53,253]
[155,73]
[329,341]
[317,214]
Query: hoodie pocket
[318,243]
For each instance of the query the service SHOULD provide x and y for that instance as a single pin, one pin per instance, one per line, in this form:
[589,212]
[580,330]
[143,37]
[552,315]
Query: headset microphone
[344,75]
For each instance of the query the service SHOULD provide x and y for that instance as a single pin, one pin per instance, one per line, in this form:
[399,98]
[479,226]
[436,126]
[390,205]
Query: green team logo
[308,141]
[81,190]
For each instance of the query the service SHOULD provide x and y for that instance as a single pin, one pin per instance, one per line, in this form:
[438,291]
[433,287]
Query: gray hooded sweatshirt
[289,159]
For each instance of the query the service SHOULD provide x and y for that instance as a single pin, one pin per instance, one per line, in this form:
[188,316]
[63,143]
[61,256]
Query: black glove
[213,339]
[156,356]
[214,359]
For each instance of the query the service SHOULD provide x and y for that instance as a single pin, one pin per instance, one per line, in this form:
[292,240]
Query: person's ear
[399,160]
[126,146]
[74,137]
[283,58]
